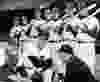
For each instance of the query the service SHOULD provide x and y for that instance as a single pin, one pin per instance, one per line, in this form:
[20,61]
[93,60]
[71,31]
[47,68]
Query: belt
[86,41]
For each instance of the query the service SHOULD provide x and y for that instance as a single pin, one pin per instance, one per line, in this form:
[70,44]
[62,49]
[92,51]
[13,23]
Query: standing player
[16,28]
[89,28]
[49,49]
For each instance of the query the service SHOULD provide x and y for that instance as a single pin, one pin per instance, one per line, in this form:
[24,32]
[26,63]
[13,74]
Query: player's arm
[14,32]
[92,27]
[73,24]
[85,29]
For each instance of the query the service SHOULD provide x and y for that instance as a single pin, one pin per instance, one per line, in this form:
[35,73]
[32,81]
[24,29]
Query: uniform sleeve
[12,31]
[16,32]
[98,25]
[93,24]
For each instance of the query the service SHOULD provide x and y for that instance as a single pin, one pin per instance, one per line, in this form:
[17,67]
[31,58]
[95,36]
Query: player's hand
[83,27]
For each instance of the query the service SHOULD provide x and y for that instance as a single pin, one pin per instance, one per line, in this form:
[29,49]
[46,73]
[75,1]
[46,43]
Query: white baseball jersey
[92,24]
[35,24]
[67,34]
[86,51]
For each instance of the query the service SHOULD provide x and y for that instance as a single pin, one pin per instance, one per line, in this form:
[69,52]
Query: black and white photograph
[50,41]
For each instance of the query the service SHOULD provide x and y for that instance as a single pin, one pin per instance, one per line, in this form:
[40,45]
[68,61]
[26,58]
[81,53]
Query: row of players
[73,28]
[69,24]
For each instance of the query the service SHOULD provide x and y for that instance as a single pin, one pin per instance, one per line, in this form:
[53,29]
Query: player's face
[24,20]
[69,8]
[48,14]
[69,12]
[16,20]
[55,13]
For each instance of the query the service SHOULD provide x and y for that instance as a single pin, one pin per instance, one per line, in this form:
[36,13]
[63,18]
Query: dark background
[3,25]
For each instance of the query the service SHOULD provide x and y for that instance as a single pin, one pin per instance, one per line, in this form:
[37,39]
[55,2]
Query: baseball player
[87,34]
